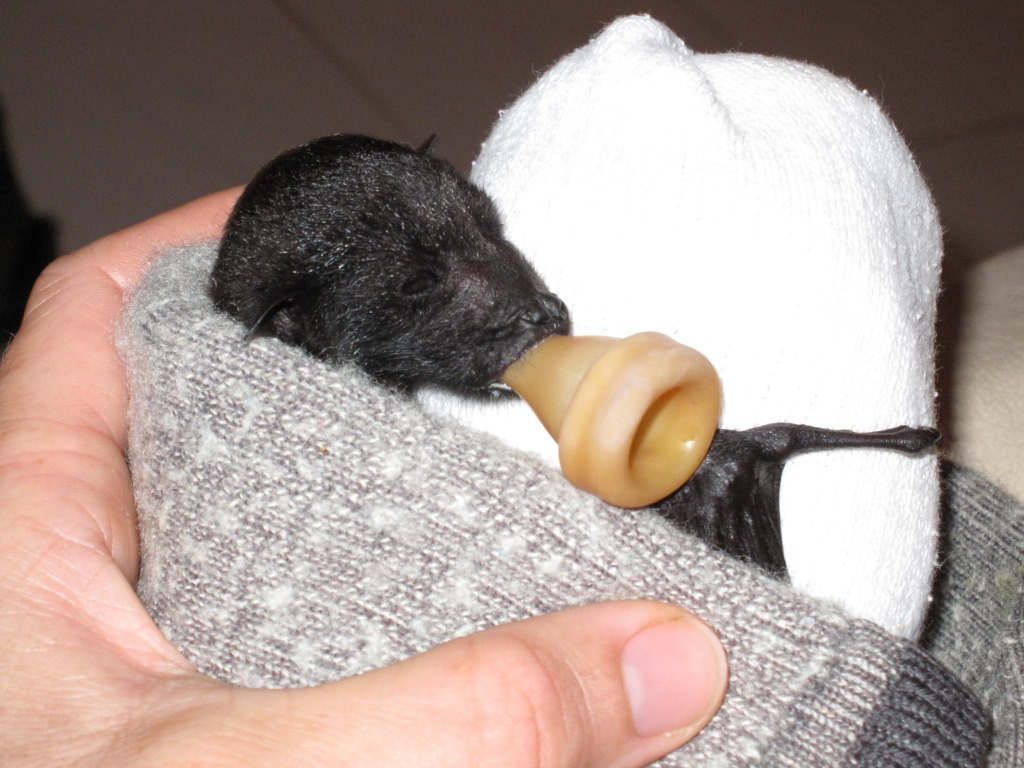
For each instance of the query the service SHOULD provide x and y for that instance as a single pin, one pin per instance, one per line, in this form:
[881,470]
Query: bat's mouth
[489,352]
[485,380]
[495,386]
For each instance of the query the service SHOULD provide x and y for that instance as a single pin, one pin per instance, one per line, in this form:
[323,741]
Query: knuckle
[50,281]
[527,707]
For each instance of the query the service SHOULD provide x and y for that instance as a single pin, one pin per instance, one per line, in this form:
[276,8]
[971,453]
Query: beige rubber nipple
[633,417]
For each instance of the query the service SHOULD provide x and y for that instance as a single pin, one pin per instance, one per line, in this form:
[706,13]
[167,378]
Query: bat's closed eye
[420,283]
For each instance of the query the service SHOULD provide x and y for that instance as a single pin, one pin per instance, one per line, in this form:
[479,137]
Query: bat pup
[366,251]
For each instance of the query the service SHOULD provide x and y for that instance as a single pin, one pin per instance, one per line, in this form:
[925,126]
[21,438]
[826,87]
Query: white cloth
[768,214]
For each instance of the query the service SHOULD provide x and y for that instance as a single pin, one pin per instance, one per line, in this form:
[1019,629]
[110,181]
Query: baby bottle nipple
[633,417]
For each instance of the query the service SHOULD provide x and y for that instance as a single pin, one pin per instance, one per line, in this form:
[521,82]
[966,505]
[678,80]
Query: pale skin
[87,679]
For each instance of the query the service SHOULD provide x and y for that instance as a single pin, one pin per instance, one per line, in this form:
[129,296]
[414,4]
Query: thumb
[613,684]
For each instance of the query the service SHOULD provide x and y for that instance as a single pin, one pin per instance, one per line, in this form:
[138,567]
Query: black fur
[366,251]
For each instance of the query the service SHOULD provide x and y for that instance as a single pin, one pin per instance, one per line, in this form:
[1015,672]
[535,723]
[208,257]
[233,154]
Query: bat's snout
[545,310]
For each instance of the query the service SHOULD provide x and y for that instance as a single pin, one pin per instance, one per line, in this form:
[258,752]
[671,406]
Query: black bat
[366,251]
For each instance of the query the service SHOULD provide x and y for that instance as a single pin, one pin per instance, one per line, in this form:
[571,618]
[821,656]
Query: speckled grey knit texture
[300,524]
[979,631]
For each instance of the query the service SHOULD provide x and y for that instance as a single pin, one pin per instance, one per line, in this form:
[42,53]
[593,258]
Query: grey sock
[300,524]
[979,630]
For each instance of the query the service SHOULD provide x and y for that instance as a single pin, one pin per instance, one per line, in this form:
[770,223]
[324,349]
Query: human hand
[87,678]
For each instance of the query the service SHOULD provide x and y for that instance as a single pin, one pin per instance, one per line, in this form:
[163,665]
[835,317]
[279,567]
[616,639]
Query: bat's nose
[548,310]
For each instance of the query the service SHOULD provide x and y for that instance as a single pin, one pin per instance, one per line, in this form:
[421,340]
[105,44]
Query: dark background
[115,111]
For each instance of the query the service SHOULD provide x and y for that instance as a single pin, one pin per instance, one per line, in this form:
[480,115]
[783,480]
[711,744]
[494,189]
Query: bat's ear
[274,309]
[428,145]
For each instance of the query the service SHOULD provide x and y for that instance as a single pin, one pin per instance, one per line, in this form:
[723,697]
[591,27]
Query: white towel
[767,213]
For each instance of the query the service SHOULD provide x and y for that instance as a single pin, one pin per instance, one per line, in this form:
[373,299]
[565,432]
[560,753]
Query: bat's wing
[732,502]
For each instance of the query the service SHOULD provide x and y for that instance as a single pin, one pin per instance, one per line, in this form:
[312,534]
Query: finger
[614,684]
[63,401]
[68,505]
[74,307]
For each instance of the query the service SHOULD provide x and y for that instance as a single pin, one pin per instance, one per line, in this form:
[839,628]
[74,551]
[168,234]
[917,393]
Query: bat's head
[366,251]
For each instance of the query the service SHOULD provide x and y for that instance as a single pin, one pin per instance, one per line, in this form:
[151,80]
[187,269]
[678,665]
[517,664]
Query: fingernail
[676,675]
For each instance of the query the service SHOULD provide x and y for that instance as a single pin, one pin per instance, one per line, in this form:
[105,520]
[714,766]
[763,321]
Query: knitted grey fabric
[300,524]
[979,631]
